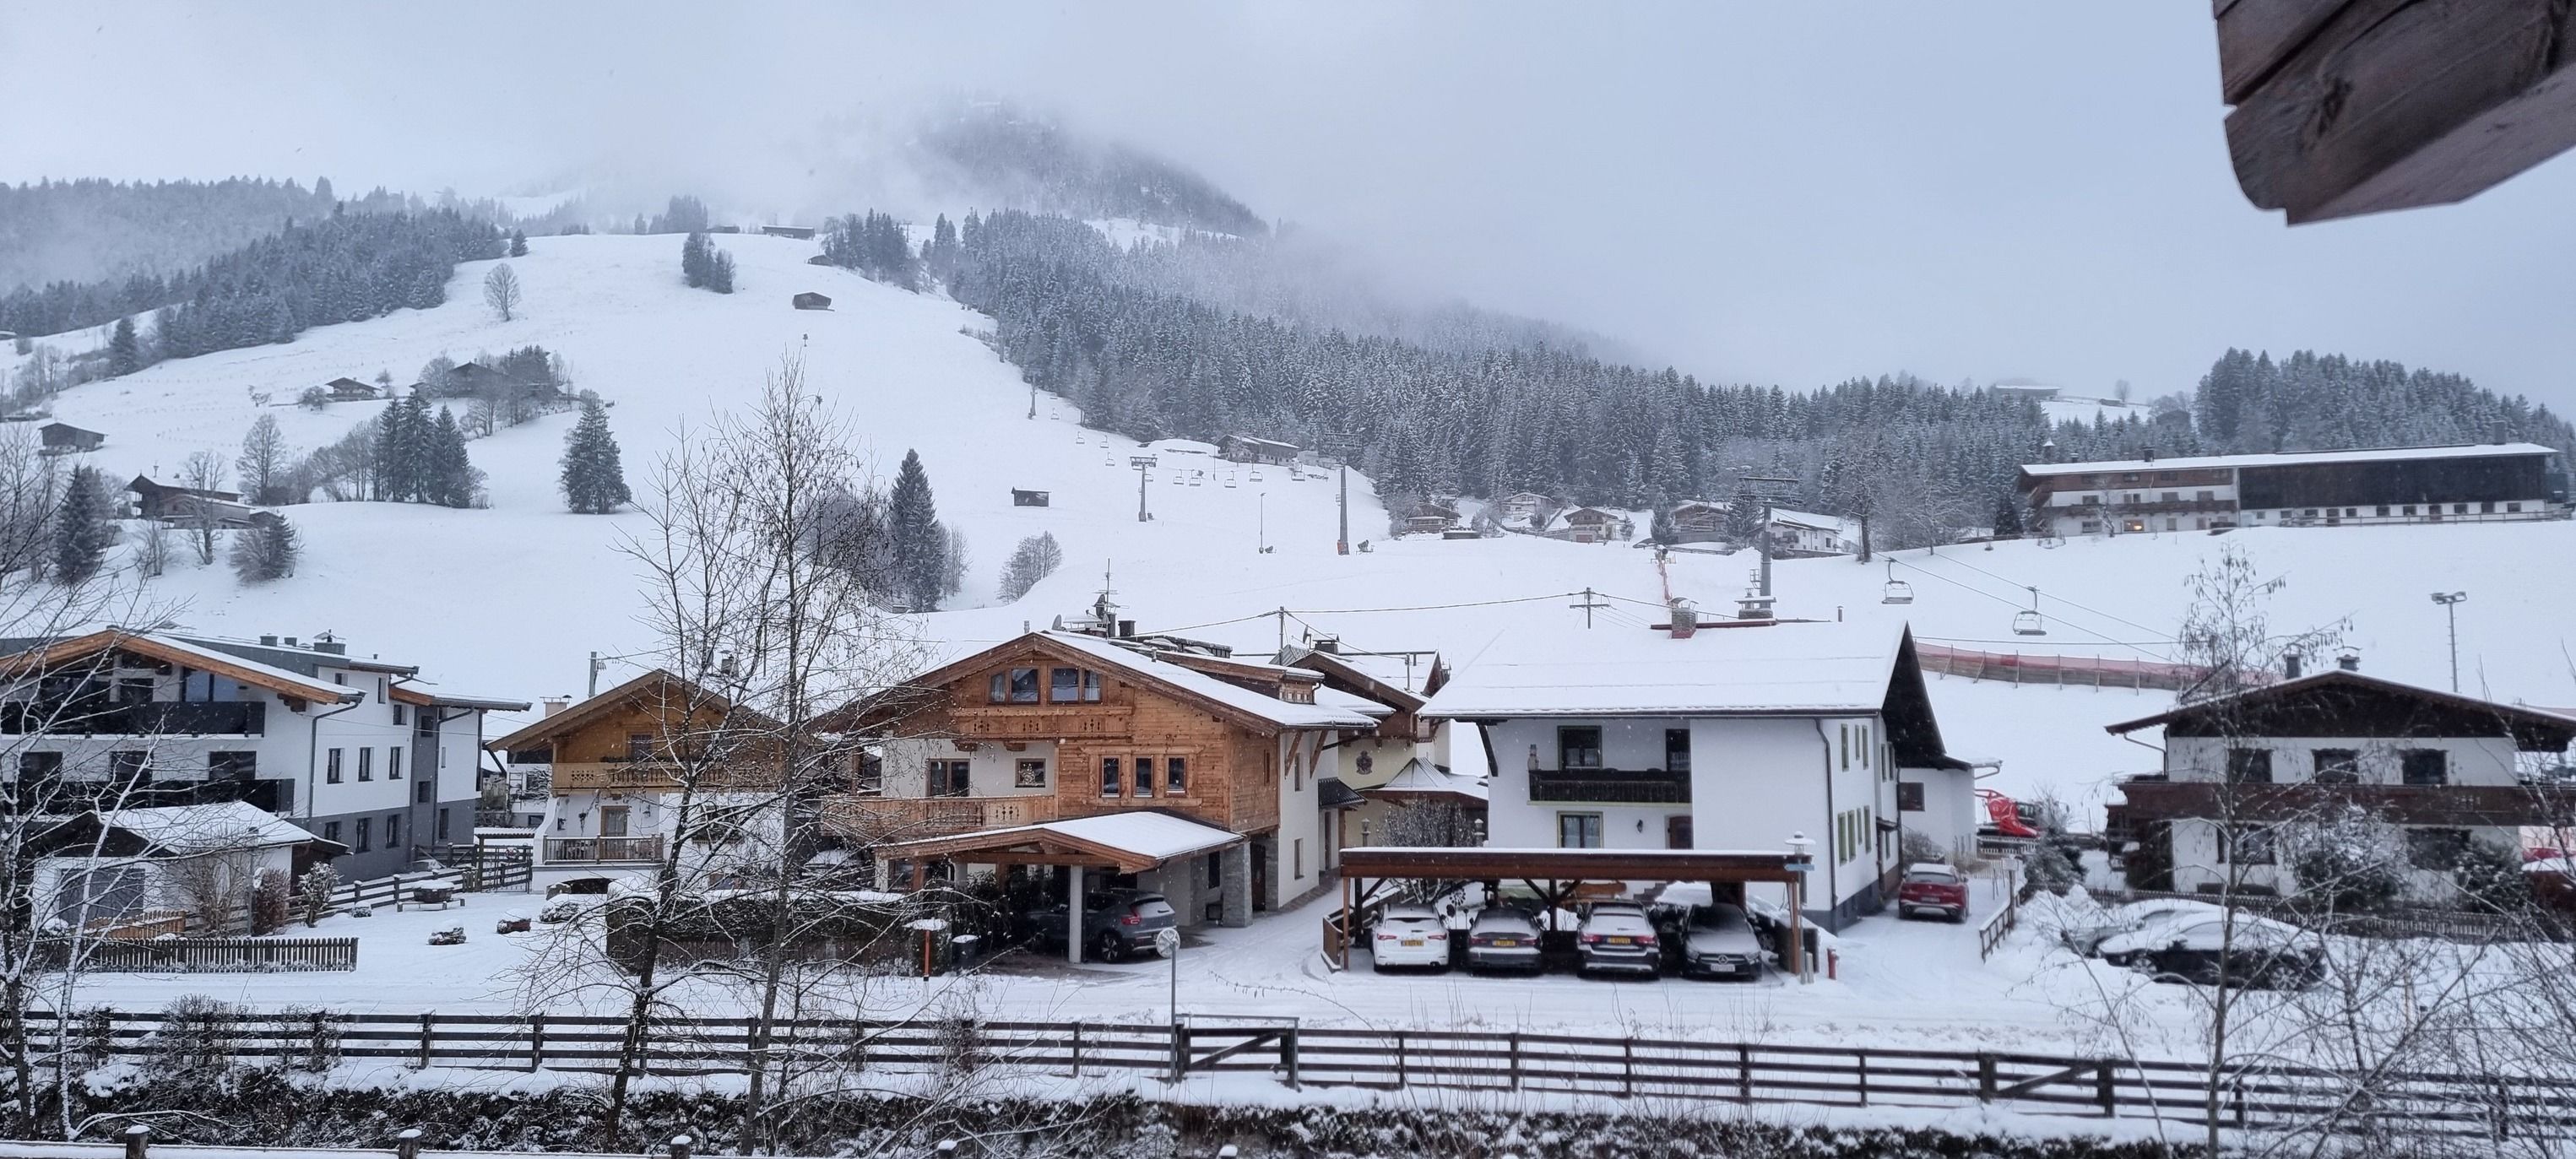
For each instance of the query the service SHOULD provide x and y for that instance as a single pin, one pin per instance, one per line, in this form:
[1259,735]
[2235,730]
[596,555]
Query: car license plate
[1616,941]
[1507,943]
[1413,942]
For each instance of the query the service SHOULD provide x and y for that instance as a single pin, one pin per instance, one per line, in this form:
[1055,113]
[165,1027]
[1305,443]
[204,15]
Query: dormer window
[1015,686]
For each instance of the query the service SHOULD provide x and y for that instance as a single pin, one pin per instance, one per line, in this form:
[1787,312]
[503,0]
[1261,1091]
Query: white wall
[2472,760]
[1298,816]
[990,773]
[1949,815]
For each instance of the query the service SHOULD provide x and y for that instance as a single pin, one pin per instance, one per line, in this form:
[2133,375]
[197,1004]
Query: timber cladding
[1230,761]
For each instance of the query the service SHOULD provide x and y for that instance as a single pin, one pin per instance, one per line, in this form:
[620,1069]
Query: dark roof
[641,691]
[2338,702]
[307,661]
[1331,793]
[69,427]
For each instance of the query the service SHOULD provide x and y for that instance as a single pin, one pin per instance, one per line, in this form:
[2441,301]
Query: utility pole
[2451,602]
[1342,546]
[596,664]
[1141,462]
[1589,603]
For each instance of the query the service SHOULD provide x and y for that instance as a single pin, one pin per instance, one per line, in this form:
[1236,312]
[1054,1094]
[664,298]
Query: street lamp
[2451,602]
[1799,865]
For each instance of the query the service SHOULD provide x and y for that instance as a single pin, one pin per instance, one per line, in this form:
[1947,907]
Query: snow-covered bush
[2491,878]
[313,893]
[270,901]
[195,1035]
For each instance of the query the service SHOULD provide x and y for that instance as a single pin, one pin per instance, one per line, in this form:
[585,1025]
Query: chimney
[1329,645]
[334,647]
[2290,666]
[2349,662]
[1126,629]
[1685,619]
[270,641]
[2151,455]
[290,642]
[555,704]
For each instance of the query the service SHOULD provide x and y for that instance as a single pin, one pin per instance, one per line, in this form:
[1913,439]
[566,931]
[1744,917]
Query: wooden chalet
[349,390]
[1247,449]
[66,439]
[797,232]
[1026,498]
[976,756]
[1698,521]
[164,501]
[1588,525]
[810,300]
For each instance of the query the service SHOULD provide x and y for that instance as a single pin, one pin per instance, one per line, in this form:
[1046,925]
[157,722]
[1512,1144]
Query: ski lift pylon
[1896,591]
[2029,623]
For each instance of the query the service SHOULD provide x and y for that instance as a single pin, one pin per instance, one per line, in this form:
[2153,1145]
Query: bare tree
[203,471]
[501,291]
[263,463]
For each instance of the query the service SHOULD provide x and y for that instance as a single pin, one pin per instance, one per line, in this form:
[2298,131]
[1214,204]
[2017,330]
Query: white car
[2088,939]
[1616,935]
[2162,930]
[1409,935]
[1719,942]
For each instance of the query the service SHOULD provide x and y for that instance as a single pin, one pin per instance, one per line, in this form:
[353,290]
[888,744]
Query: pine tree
[920,543]
[719,271]
[593,481]
[693,260]
[124,351]
[82,530]
[518,243]
[450,479]
[401,464]
[266,551]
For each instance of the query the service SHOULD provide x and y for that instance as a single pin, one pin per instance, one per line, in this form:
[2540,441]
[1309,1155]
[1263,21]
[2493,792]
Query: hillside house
[350,390]
[1246,449]
[797,232]
[350,748]
[2248,777]
[617,764]
[1589,525]
[1805,535]
[1025,498]
[66,439]
[1061,753]
[164,501]
[102,869]
[1709,737]
[1698,521]
[810,300]
[2481,482]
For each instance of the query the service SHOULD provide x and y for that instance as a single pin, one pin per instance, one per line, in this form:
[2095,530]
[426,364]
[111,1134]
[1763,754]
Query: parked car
[1720,942]
[1502,938]
[1115,922]
[2265,954]
[1409,935]
[2088,939]
[2156,932]
[1616,935]
[1931,887]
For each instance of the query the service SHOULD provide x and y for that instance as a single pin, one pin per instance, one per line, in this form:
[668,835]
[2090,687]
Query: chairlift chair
[1256,475]
[1896,591]
[2029,623]
[1229,479]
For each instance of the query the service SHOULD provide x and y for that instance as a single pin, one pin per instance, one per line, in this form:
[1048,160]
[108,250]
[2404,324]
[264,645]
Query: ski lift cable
[2059,599]
[2018,607]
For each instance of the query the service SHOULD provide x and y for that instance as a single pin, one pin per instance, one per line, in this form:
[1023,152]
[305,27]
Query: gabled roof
[640,691]
[1355,702]
[1380,679]
[431,697]
[1421,780]
[2540,729]
[173,650]
[2288,458]
[186,829]
[1785,668]
[1130,840]
[1231,701]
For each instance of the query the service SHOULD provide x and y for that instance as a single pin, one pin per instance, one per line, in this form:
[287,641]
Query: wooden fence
[220,955]
[1656,1069]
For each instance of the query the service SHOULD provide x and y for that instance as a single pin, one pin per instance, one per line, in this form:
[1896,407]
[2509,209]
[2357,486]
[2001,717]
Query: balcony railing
[878,819]
[2155,799]
[154,718]
[1611,786]
[579,850]
[593,776]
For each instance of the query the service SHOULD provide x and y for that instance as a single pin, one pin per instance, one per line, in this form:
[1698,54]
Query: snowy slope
[509,600]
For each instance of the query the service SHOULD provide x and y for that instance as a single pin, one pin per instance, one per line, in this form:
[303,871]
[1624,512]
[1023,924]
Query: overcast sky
[1776,193]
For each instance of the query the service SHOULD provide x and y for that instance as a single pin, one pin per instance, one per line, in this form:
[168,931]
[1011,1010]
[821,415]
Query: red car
[1931,887]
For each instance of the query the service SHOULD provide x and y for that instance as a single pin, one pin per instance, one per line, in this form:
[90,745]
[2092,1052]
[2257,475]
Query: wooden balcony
[1025,722]
[2460,805]
[878,819]
[602,850]
[1611,786]
[649,776]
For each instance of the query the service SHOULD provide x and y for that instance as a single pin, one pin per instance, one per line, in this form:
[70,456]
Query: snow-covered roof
[1773,669]
[1147,834]
[2290,458]
[1421,776]
[1279,712]
[181,651]
[1833,523]
[199,828]
[1353,701]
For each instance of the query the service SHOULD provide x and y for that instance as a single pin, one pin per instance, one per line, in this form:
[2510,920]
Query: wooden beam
[2393,104]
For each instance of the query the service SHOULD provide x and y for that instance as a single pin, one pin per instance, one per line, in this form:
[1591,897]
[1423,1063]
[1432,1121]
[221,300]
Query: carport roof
[1481,864]
[1130,841]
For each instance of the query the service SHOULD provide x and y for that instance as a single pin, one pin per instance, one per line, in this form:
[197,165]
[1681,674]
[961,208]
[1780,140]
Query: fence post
[1627,1068]
[407,1143]
[1180,1052]
[1743,1073]
[1400,1078]
[1863,1067]
[2103,1092]
[680,1145]
[1516,1059]
[1077,1048]
[2503,1103]
[425,1016]
[1985,1078]
[536,1040]
[138,1141]
[1288,1054]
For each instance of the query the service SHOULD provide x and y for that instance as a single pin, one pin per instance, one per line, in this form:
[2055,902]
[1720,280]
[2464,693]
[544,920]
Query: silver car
[1617,936]
[1719,942]
[1502,938]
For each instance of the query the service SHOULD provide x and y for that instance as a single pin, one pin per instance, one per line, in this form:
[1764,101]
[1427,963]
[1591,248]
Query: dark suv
[1115,923]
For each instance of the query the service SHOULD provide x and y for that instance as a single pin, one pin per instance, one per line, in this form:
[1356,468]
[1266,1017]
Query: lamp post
[1799,864]
[2451,602]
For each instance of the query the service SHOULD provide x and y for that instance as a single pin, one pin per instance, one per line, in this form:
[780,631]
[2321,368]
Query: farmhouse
[66,439]
[2475,481]
[1804,535]
[1195,775]
[1246,449]
[2248,778]
[162,501]
[798,232]
[1797,729]
[1589,525]
[810,300]
[348,747]
[352,390]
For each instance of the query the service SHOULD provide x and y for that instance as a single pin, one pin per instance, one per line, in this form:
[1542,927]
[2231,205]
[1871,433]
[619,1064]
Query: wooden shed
[810,300]
[1023,498]
[65,439]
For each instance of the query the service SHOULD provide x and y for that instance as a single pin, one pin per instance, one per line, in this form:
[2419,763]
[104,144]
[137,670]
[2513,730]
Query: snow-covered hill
[510,600]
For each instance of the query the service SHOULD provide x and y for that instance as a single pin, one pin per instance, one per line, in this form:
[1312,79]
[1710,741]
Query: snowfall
[509,600]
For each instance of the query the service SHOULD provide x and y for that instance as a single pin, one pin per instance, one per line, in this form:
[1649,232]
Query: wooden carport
[1130,843]
[1555,874]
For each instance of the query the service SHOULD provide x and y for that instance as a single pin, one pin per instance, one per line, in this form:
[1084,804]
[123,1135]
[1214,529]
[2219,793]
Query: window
[393,830]
[868,774]
[401,715]
[33,766]
[1297,858]
[2249,766]
[2459,509]
[1677,750]
[366,836]
[1109,776]
[1144,767]
[1018,686]
[420,792]
[949,778]
[2512,507]
[1843,734]
[1068,685]
[393,763]
[1909,796]
[331,831]
[2424,767]
[639,746]
[2092,500]
[366,764]
[1176,775]
[2170,497]
[2382,510]
[1029,775]
[1296,771]
[129,767]
[1578,830]
[2436,848]
[331,768]
[2337,766]
[442,824]
[2205,496]
[1090,686]
[2251,845]
[1578,747]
